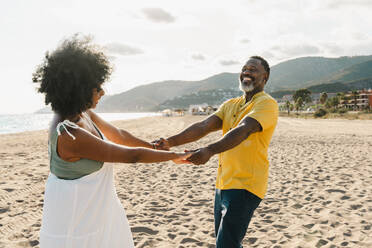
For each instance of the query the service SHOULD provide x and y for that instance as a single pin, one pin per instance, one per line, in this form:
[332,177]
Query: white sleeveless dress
[84,213]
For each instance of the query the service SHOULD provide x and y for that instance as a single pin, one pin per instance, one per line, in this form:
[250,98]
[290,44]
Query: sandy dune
[319,192]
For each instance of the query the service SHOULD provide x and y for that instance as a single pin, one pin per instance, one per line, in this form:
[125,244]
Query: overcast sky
[151,41]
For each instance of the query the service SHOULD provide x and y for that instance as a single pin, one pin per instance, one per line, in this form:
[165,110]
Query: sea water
[31,122]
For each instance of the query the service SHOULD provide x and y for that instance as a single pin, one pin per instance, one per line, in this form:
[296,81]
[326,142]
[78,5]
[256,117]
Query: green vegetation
[347,115]
[302,94]
[323,98]
[327,106]
[211,97]
[320,112]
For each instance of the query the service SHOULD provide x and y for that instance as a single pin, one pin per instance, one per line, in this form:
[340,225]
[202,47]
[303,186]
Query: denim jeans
[233,210]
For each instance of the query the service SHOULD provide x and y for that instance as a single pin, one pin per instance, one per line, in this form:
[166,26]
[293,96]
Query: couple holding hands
[81,207]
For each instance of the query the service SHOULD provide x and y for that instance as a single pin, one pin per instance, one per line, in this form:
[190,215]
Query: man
[248,123]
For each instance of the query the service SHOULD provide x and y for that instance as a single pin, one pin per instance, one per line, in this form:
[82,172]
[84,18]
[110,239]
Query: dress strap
[68,124]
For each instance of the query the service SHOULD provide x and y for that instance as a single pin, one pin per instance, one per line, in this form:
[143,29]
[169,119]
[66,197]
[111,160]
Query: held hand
[161,144]
[200,156]
[182,159]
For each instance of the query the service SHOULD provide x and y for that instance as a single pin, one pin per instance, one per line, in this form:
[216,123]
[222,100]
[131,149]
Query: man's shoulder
[232,101]
[266,98]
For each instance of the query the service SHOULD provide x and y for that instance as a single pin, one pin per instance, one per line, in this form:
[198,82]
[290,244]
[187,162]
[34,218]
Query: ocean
[31,122]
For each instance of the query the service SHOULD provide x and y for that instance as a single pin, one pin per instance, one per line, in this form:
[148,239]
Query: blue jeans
[233,210]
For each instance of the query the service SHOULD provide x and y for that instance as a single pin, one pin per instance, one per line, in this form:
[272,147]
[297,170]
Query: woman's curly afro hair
[69,74]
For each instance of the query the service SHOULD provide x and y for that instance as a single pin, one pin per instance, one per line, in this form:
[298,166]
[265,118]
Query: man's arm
[192,133]
[232,138]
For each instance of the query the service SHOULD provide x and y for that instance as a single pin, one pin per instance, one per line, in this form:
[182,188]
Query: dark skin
[122,146]
[253,73]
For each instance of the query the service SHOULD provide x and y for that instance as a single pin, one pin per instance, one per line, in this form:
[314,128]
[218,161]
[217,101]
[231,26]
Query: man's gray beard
[246,88]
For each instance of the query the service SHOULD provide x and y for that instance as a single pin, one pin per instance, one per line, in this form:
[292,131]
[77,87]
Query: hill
[307,71]
[211,97]
[356,72]
[148,97]
[331,87]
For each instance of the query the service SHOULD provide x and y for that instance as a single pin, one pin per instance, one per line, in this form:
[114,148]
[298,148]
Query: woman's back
[64,169]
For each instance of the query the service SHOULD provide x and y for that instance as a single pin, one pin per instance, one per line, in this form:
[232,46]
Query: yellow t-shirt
[246,166]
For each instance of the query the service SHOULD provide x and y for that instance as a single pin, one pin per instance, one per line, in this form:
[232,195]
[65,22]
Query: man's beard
[246,88]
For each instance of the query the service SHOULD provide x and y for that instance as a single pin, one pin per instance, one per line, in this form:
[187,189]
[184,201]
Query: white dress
[84,213]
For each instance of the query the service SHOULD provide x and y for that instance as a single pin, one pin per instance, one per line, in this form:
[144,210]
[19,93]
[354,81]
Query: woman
[81,208]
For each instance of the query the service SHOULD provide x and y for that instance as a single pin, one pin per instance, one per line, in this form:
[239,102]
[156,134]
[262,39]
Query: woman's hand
[161,144]
[182,158]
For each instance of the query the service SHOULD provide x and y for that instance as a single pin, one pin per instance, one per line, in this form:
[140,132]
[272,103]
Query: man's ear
[266,78]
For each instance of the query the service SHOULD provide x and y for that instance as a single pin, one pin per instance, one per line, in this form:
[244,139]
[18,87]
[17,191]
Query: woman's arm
[89,146]
[116,135]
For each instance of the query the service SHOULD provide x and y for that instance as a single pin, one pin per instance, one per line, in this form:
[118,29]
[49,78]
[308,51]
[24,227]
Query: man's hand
[200,156]
[182,159]
[161,144]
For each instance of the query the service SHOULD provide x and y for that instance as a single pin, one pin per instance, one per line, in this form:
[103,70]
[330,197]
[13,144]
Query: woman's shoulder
[55,120]
[53,124]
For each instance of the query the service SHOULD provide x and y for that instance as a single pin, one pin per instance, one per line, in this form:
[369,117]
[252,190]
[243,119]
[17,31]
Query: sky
[151,41]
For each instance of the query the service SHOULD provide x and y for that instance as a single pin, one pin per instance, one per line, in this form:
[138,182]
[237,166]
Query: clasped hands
[198,156]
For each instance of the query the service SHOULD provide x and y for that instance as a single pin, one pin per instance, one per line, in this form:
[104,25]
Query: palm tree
[299,103]
[343,99]
[323,98]
[288,106]
[355,95]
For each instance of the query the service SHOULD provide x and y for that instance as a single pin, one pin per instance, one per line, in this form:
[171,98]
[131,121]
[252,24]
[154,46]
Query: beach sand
[319,192]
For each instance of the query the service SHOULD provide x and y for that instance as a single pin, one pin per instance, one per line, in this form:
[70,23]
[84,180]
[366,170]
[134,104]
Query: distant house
[166,112]
[286,98]
[201,109]
[365,99]
[361,99]
[179,112]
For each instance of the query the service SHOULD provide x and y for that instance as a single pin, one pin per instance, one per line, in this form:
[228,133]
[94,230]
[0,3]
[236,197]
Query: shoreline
[317,194]
[107,116]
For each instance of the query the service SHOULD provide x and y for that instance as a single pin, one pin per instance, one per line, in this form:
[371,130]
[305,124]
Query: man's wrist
[170,142]
[210,150]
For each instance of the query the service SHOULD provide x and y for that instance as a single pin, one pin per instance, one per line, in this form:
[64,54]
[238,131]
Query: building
[202,109]
[286,98]
[361,99]
[365,99]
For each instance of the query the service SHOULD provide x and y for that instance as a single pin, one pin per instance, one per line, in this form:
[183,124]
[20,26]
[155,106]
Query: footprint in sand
[9,189]
[142,229]
[336,191]
[321,242]
[3,210]
[297,206]
[355,206]
[280,226]
[34,243]
[189,240]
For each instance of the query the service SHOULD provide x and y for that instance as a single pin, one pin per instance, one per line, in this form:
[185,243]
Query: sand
[320,190]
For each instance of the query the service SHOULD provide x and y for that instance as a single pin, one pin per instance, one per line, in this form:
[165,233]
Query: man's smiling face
[253,76]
